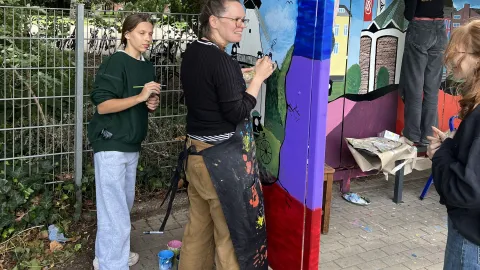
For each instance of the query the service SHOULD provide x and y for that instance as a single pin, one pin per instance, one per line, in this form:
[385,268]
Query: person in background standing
[422,67]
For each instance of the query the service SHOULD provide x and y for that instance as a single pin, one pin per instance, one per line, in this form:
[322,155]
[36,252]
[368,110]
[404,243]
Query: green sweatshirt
[116,79]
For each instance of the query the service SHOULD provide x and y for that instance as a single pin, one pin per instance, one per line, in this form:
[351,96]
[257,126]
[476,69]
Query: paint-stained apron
[233,168]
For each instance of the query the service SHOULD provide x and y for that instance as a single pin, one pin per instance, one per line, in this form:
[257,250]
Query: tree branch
[34,98]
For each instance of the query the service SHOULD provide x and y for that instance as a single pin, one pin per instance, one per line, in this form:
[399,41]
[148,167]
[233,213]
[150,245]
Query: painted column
[294,204]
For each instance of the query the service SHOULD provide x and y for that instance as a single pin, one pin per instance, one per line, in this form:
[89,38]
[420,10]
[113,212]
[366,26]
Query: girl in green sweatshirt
[116,132]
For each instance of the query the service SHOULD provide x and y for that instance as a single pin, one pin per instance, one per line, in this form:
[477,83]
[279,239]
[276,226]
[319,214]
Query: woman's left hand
[437,140]
[152,102]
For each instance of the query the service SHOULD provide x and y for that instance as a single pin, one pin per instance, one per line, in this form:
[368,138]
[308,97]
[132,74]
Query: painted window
[455,25]
[457,17]
[345,30]
[341,10]
[335,29]
[335,48]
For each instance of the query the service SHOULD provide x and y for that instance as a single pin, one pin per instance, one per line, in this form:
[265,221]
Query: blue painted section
[313,38]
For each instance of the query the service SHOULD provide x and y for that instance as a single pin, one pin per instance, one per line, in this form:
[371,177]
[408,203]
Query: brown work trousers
[206,235]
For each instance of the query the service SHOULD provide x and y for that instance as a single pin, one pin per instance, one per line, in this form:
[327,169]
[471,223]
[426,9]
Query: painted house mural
[381,49]
[289,121]
[374,58]
[341,28]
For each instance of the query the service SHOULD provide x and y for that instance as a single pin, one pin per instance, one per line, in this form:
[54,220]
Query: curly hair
[467,37]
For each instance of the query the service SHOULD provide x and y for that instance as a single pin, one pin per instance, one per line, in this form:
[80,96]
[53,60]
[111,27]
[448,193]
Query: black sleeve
[457,183]
[410,7]
[235,103]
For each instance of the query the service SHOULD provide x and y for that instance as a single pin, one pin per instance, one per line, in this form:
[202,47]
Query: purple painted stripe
[293,155]
[318,124]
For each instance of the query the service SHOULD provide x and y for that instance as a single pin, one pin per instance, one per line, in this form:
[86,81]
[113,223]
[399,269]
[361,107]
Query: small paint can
[165,259]
[175,246]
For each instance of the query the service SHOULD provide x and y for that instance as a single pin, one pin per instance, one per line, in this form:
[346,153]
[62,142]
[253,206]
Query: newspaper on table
[377,153]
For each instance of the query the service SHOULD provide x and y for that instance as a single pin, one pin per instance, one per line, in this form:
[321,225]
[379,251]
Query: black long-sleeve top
[423,8]
[456,174]
[215,91]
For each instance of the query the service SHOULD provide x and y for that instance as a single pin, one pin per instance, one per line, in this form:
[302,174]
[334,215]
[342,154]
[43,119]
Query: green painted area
[271,138]
[268,151]
[276,103]
[337,90]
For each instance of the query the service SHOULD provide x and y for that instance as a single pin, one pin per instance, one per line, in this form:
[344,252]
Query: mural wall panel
[374,46]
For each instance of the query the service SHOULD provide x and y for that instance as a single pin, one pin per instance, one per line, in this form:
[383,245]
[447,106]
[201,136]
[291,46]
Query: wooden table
[327,196]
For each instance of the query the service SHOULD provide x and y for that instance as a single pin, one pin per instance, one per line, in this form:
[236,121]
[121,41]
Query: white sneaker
[132,260]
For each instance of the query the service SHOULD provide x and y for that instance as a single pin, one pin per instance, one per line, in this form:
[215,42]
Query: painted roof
[392,17]
[346,13]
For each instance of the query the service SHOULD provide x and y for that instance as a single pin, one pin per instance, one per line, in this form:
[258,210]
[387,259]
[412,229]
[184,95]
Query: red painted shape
[285,218]
[368,10]
[450,108]
[447,107]
[311,255]
[400,111]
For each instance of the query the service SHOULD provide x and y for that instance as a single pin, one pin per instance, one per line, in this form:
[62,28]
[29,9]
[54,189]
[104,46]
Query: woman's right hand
[433,146]
[148,89]
[437,140]
[264,68]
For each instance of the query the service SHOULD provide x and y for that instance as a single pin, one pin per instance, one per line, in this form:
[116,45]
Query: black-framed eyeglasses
[238,21]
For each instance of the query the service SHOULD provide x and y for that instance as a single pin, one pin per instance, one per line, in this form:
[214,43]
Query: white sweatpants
[115,174]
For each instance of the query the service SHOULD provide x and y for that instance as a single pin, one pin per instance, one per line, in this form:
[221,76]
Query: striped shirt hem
[214,138]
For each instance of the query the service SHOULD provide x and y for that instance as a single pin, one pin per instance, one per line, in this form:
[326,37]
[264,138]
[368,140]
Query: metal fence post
[79,64]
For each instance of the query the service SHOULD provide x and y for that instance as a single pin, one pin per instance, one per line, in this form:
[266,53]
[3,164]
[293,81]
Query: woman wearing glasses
[226,219]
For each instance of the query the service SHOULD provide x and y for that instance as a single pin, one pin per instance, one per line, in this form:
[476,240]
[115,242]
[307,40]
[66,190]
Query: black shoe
[420,144]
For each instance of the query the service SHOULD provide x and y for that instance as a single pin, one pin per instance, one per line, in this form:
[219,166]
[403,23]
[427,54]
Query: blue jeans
[460,254]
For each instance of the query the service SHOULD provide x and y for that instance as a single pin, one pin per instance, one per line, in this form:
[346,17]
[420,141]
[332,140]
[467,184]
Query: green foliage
[26,201]
[147,5]
[24,60]
[187,6]
[383,77]
[354,77]
[448,3]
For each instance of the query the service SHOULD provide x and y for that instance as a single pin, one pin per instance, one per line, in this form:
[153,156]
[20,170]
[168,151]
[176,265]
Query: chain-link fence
[49,58]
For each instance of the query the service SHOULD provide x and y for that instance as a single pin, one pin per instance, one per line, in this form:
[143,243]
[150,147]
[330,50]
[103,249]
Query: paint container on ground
[175,246]
[165,260]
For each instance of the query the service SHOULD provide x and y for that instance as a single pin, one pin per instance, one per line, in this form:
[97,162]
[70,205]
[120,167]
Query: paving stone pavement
[384,235]
[148,246]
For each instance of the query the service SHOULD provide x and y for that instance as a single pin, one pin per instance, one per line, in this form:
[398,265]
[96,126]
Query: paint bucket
[175,246]
[165,258]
